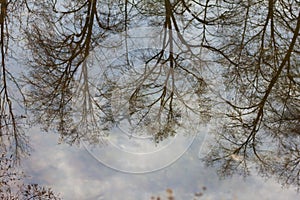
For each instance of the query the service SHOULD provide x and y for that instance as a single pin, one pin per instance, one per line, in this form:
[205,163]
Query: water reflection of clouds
[140,155]
[138,144]
[72,172]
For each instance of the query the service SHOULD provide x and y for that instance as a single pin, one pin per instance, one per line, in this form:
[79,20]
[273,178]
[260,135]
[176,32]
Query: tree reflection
[12,186]
[12,136]
[156,96]
[60,40]
[262,125]
[253,44]
[59,73]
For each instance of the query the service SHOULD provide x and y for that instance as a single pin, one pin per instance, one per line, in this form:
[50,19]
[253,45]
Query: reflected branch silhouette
[13,187]
[149,95]
[257,130]
[251,47]
[58,58]
[60,44]
[12,137]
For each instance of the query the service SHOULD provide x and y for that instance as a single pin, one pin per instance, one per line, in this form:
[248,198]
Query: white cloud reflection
[75,174]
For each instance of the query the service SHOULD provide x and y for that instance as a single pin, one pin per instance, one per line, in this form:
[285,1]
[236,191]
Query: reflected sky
[149,80]
[75,174]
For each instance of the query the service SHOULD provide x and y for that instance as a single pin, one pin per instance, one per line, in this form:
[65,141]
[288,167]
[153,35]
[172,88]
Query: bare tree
[262,125]
[253,45]
[59,72]
[12,137]
[61,39]
[12,185]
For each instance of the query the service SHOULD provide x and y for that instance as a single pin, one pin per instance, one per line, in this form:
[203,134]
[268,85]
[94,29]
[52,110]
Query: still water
[141,100]
[76,174]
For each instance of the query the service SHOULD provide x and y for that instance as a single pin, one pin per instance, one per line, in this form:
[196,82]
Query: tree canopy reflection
[250,46]
[262,122]
[154,98]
